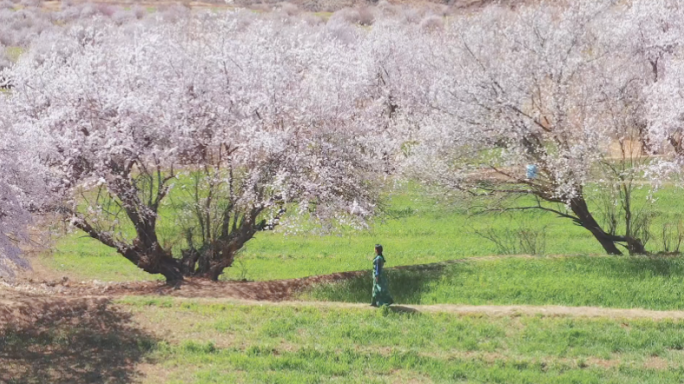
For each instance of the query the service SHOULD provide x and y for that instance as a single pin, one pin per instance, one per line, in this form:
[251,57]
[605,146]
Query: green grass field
[415,229]
[312,345]
[202,341]
[210,341]
[619,282]
[62,339]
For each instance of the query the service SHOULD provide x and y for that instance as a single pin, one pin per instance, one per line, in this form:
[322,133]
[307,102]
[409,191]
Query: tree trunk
[636,247]
[189,260]
[579,207]
[163,264]
[212,273]
[152,259]
[208,264]
[219,254]
[170,269]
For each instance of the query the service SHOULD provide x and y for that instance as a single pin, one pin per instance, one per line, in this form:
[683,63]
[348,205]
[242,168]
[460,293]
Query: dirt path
[26,295]
[488,310]
[25,307]
[37,282]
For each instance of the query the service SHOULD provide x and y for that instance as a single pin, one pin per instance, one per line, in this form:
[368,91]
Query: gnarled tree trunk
[608,241]
[155,261]
[151,258]
[210,260]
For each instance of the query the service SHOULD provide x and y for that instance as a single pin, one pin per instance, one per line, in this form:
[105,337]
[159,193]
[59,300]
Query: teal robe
[381,295]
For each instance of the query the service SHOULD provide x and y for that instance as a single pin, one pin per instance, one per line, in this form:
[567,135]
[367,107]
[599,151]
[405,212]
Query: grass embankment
[619,282]
[214,341]
[415,230]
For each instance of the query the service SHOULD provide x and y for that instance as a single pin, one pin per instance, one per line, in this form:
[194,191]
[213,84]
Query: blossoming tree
[22,190]
[250,126]
[547,86]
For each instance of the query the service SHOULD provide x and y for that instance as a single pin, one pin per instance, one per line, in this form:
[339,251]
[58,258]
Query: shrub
[68,14]
[341,31]
[360,16]
[312,19]
[413,15]
[366,16]
[106,9]
[88,10]
[387,9]
[6,4]
[31,3]
[326,5]
[432,23]
[4,63]
[289,9]
[345,15]
[174,13]
[139,12]
[122,16]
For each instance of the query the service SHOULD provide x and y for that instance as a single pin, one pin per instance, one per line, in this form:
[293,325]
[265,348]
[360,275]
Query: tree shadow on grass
[406,284]
[76,341]
[654,265]
[631,267]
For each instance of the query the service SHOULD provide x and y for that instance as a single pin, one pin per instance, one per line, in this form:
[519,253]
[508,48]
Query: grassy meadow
[444,259]
[312,345]
[215,341]
[414,229]
[172,340]
[602,281]
[167,340]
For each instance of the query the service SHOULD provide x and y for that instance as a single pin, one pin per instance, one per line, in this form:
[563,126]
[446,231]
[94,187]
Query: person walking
[381,295]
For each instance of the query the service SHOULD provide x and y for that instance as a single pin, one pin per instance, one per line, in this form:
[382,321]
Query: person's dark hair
[378,248]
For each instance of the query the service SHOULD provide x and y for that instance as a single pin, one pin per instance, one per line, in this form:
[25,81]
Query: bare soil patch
[45,282]
[655,362]
[276,290]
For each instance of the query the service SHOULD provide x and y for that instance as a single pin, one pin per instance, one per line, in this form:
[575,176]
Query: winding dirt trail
[29,296]
[486,310]
[46,283]
[23,307]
